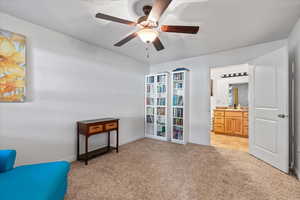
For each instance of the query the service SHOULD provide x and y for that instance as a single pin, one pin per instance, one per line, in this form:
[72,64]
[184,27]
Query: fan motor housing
[144,19]
[147,9]
[136,7]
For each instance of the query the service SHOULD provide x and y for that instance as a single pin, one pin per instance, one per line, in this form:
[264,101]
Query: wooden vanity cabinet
[234,123]
[245,124]
[219,122]
[231,122]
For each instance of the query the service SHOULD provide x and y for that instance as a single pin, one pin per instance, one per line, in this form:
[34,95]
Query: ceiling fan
[149,26]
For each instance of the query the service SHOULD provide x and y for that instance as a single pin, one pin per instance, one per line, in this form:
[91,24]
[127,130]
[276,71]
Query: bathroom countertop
[233,110]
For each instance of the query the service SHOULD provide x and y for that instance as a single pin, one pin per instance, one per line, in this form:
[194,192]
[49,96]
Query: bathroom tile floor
[229,142]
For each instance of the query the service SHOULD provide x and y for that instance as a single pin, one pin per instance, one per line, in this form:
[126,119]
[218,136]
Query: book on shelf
[178,85]
[149,101]
[150,79]
[161,128]
[161,101]
[161,120]
[178,112]
[161,111]
[161,88]
[178,76]
[178,121]
[177,100]
[150,111]
[150,119]
[177,133]
[161,78]
[150,89]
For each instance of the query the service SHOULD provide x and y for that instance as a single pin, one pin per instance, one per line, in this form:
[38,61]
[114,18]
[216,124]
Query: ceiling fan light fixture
[148,24]
[148,35]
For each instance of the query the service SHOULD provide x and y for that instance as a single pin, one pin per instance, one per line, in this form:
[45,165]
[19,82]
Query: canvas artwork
[12,66]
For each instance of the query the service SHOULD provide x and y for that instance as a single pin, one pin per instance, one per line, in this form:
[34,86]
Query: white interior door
[269,130]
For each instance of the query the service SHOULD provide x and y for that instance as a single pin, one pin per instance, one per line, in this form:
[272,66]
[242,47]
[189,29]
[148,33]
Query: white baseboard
[70,158]
[132,140]
[73,158]
[297,172]
[297,164]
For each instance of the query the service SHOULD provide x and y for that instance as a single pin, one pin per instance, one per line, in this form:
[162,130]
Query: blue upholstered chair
[47,181]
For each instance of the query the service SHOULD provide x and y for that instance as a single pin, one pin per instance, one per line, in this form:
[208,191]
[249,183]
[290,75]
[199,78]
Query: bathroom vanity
[229,121]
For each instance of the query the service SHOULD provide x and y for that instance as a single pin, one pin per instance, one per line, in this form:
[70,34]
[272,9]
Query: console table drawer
[92,127]
[96,129]
[110,126]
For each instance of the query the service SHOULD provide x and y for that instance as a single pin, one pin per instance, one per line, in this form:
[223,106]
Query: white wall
[69,80]
[294,56]
[200,67]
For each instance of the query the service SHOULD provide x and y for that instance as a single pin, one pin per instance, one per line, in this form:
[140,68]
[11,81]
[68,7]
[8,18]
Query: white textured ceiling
[225,24]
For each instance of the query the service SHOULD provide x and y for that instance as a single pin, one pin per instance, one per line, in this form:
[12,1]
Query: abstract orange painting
[12,66]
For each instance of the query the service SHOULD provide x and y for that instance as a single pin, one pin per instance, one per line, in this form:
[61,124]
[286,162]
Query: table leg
[86,149]
[117,146]
[78,137]
[108,140]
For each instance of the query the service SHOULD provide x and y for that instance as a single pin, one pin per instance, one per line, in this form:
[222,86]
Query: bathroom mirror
[238,94]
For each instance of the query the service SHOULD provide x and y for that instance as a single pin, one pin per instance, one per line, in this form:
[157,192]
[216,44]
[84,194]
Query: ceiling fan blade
[180,29]
[158,9]
[115,19]
[158,45]
[125,40]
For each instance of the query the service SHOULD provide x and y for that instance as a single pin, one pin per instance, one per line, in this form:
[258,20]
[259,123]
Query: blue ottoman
[47,181]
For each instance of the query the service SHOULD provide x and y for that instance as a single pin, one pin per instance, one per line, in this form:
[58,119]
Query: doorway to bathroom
[229,107]
[261,127]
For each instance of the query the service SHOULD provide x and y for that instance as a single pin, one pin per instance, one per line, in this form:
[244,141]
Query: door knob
[282,116]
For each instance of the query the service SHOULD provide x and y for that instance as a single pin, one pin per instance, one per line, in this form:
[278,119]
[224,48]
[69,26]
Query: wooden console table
[94,127]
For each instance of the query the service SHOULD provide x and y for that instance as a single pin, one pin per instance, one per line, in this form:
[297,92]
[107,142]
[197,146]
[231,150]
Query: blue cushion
[7,160]
[46,181]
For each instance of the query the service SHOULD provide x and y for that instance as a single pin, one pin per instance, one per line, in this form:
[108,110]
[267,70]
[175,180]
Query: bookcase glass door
[156,108]
[150,105]
[178,106]
[161,105]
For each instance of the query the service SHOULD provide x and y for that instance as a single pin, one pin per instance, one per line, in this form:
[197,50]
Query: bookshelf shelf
[156,106]
[180,106]
[179,81]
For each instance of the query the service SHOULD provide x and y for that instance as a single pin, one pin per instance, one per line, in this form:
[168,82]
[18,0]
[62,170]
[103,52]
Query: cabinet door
[228,125]
[237,126]
[245,131]
[234,125]
[245,125]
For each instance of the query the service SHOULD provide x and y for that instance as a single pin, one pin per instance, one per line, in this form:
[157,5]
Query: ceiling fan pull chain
[147,50]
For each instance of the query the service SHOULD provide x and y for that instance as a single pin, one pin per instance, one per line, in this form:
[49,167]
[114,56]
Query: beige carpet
[149,169]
